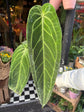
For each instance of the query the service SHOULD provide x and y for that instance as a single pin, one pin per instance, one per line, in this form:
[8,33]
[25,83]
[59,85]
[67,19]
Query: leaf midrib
[20,68]
[43,57]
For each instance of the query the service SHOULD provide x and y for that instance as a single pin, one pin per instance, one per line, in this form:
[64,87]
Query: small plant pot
[55,3]
[73,95]
[69,4]
[4,70]
[62,89]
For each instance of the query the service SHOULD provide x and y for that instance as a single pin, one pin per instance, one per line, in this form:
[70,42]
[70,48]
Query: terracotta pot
[55,3]
[73,95]
[69,4]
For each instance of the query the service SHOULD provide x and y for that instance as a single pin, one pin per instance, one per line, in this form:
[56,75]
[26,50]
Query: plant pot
[4,70]
[69,4]
[5,67]
[73,95]
[55,3]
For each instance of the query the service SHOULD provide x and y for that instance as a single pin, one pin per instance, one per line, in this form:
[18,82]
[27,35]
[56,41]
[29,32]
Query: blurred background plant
[80,107]
[75,51]
[19,40]
[73,90]
[54,98]
[77,43]
[65,105]
[62,103]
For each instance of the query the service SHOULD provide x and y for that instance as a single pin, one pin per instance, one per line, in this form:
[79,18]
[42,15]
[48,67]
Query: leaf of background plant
[44,43]
[19,70]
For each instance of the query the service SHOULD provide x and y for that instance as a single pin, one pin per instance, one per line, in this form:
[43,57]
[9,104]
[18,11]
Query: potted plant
[40,54]
[73,93]
[5,58]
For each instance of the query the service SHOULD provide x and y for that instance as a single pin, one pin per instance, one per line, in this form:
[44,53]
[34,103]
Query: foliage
[65,105]
[81,50]
[77,48]
[75,51]
[19,41]
[73,90]
[62,103]
[19,70]
[78,37]
[62,15]
[54,98]
[44,46]
[77,43]
[80,105]
[5,56]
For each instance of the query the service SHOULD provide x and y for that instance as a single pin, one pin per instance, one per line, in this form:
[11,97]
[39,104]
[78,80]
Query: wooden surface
[66,96]
[74,102]
[54,107]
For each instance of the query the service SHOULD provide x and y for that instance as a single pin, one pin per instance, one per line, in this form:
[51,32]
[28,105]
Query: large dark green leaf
[19,71]
[44,43]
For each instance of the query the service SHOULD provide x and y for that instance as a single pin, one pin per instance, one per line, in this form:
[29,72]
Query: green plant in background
[5,57]
[76,51]
[78,38]
[54,98]
[61,102]
[80,106]
[77,43]
[20,40]
[65,105]
[81,50]
[41,54]
[73,90]
[62,15]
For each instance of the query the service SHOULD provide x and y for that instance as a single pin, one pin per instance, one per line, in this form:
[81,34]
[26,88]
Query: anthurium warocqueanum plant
[40,54]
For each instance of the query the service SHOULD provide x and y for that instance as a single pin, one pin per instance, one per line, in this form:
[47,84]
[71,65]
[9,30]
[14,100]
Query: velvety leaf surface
[44,43]
[19,70]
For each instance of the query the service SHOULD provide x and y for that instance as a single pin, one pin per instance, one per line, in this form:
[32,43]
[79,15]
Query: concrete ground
[32,106]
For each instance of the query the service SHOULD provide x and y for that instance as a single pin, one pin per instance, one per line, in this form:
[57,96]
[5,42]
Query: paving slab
[32,106]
